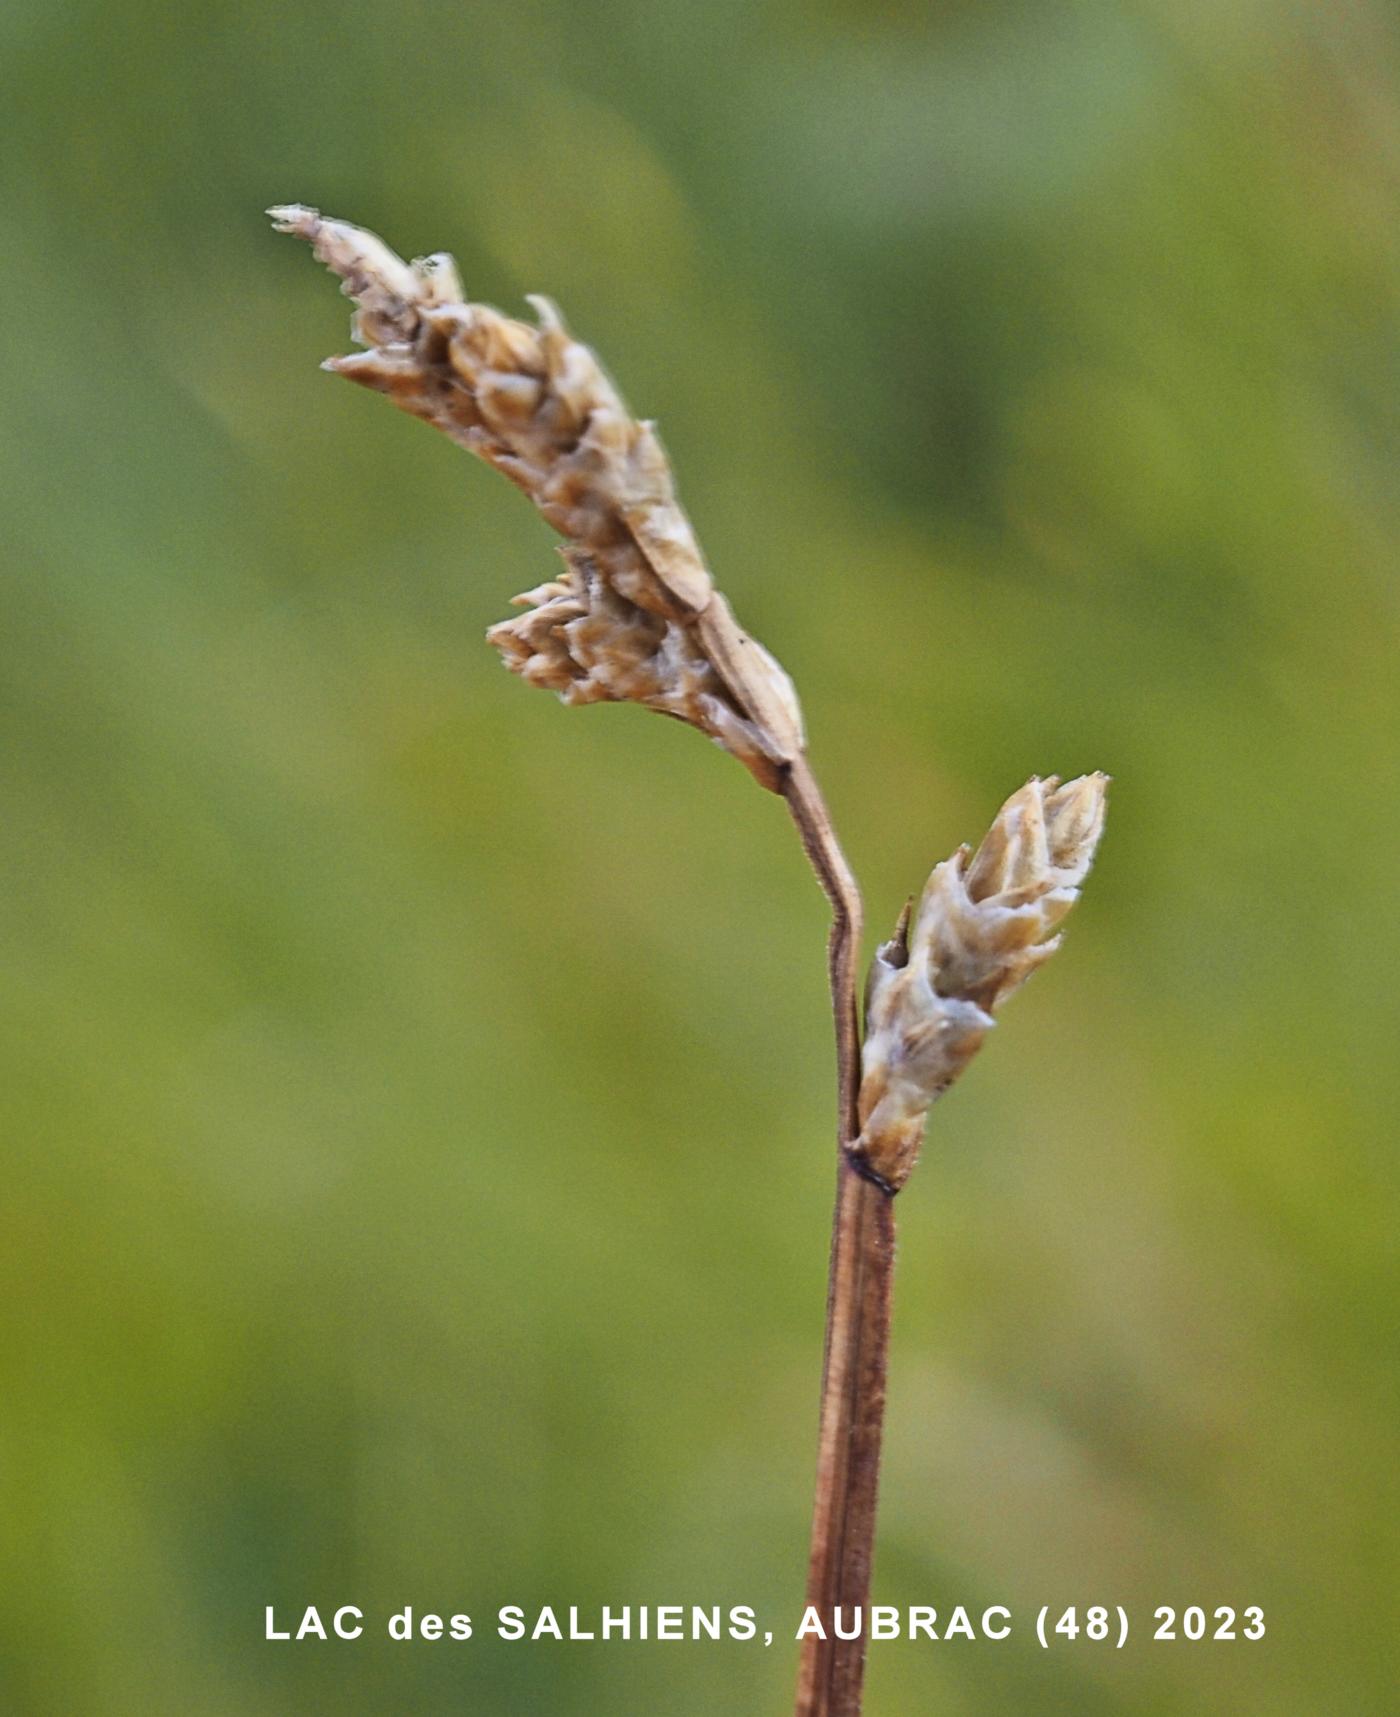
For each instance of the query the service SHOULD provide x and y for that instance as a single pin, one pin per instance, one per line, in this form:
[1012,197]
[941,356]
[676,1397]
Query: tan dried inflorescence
[981,927]
[635,616]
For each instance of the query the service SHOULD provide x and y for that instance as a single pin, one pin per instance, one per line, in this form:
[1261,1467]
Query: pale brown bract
[635,617]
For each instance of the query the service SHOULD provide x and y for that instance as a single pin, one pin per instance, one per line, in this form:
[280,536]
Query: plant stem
[809,812]
[857,1313]
[848,1459]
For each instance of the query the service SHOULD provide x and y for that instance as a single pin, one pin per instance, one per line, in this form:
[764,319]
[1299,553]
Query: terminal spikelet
[635,616]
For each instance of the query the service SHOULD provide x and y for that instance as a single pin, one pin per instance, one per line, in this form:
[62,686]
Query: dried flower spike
[635,616]
[980,930]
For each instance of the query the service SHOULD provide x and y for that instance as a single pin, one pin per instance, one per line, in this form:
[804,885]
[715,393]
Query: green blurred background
[418,1097]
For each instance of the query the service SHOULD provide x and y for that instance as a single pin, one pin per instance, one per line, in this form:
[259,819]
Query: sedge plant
[634,616]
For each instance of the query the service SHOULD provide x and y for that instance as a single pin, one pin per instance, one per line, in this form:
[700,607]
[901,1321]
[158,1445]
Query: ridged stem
[831,1671]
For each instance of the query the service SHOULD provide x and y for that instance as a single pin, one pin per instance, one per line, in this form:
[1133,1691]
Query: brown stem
[848,1459]
[809,812]
[857,1315]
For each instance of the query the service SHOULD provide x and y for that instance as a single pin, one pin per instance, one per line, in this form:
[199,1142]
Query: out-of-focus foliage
[417,1096]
